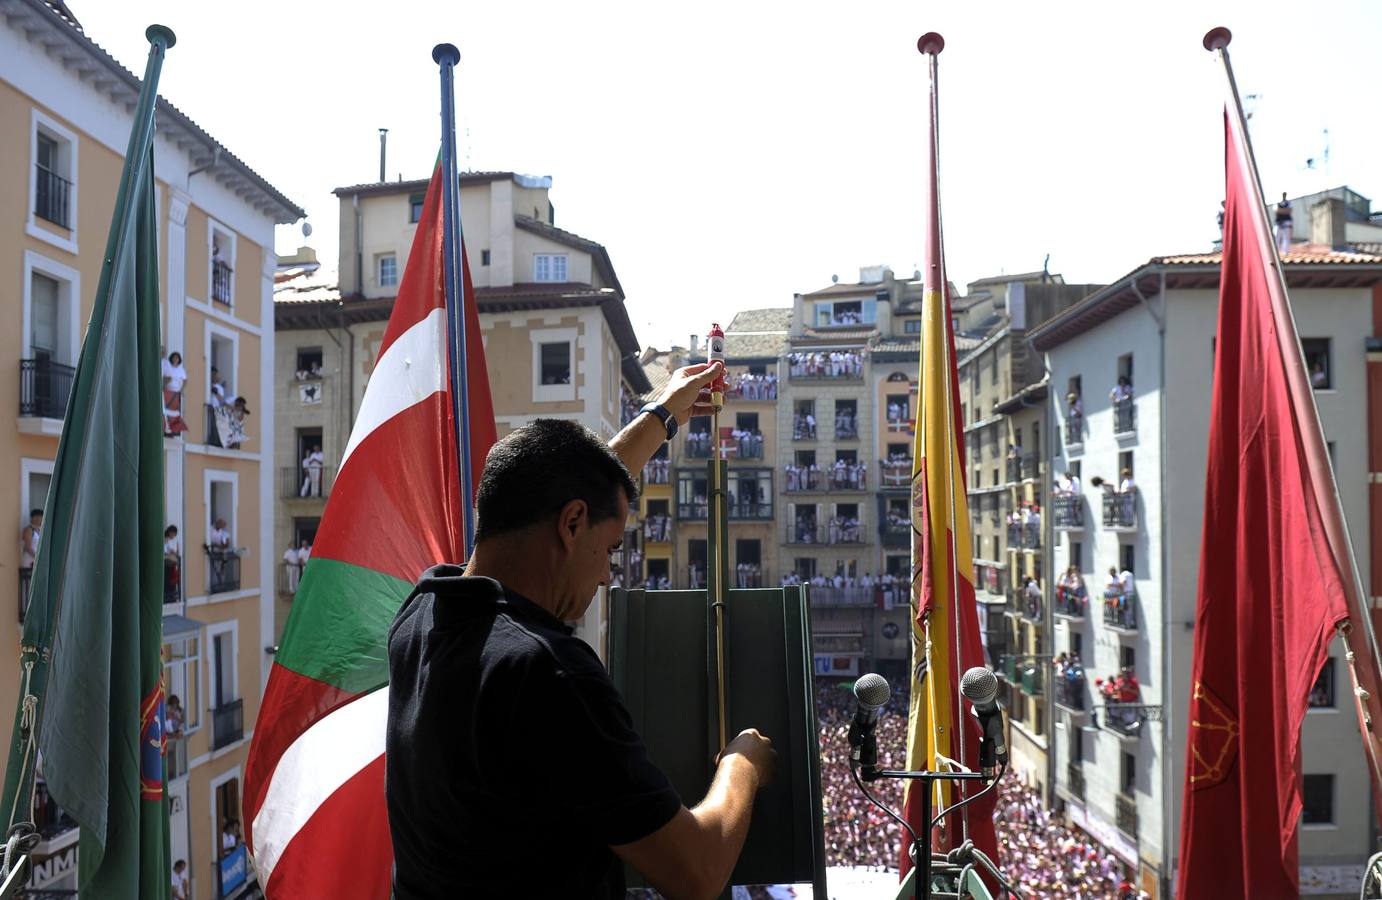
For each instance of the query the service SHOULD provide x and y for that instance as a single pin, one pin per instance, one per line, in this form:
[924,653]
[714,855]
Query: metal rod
[453,247]
[717,582]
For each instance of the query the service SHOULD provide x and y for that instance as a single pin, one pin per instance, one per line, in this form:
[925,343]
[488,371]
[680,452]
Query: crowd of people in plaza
[751,386]
[1038,853]
[826,364]
[1123,692]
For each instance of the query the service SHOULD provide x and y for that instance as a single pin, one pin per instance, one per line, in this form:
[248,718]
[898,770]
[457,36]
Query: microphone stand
[921,845]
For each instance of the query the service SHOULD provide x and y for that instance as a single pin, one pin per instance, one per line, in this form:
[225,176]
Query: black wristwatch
[669,421]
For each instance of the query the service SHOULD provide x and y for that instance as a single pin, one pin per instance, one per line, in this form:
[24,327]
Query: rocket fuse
[715,349]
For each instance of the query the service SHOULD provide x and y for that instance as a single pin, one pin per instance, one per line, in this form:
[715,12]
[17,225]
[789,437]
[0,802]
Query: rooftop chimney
[1327,222]
[383,146]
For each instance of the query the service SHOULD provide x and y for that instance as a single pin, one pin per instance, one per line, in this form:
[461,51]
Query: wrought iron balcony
[803,533]
[1070,690]
[1068,511]
[748,575]
[845,533]
[1127,815]
[227,724]
[751,511]
[1070,602]
[804,481]
[220,282]
[44,388]
[847,433]
[1031,536]
[844,480]
[1074,429]
[1028,603]
[305,482]
[842,596]
[1120,610]
[698,511]
[894,533]
[1124,417]
[222,571]
[1120,510]
[26,577]
[51,197]
[802,430]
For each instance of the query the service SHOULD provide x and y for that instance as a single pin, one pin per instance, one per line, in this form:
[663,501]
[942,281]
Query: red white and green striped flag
[314,788]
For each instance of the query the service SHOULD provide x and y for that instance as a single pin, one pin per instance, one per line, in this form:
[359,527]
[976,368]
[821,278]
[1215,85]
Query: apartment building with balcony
[558,340]
[1133,528]
[66,107]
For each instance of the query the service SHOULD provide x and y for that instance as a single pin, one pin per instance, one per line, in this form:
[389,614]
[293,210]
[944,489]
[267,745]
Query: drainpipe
[1166,698]
[359,247]
[215,161]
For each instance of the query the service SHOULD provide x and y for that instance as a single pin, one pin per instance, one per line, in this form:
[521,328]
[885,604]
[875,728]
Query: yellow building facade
[64,105]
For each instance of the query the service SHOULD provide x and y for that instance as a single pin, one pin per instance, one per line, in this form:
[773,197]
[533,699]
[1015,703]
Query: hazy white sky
[731,154]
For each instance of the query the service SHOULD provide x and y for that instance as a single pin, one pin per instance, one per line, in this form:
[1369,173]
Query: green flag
[91,672]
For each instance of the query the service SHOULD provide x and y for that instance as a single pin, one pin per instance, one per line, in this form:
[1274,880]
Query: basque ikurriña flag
[1276,574]
[314,787]
[945,619]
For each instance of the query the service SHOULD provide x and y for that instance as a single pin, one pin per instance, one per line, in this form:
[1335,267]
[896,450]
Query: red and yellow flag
[945,620]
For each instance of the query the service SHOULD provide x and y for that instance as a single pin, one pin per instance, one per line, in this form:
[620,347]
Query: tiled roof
[909,344]
[836,289]
[657,372]
[1004,279]
[774,319]
[42,21]
[838,334]
[1299,254]
[415,184]
[758,334]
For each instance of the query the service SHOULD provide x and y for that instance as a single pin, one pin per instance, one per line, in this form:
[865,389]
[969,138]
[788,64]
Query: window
[388,270]
[748,552]
[658,568]
[805,567]
[221,250]
[549,267]
[221,348]
[224,689]
[309,361]
[911,326]
[1127,658]
[415,202]
[746,421]
[805,458]
[1077,555]
[1125,367]
[182,677]
[899,408]
[1076,744]
[1317,796]
[1322,694]
[849,456]
[223,505]
[1128,781]
[556,363]
[1077,644]
[1127,556]
[52,183]
[484,257]
[1124,466]
[1317,362]
[227,806]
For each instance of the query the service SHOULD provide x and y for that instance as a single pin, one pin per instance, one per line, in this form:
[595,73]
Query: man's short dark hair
[35,512]
[539,468]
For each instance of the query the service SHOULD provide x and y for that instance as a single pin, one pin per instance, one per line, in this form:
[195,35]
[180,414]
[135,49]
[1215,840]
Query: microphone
[980,687]
[872,692]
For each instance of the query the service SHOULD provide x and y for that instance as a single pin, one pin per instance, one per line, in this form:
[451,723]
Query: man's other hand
[688,393]
[756,749]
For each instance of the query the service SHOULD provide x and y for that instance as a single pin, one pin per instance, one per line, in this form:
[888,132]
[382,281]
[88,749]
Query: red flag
[1274,578]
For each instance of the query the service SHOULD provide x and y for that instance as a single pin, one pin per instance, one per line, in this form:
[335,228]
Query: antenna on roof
[383,146]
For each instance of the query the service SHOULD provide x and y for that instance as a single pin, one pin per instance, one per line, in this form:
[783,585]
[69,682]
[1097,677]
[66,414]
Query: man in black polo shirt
[513,769]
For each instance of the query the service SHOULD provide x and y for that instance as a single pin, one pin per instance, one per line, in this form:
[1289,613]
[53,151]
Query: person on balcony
[174,718]
[292,569]
[238,412]
[29,539]
[1070,484]
[180,885]
[1031,596]
[1122,391]
[174,377]
[312,464]
[1127,497]
[1074,406]
[172,565]
[219,539]
[230,836]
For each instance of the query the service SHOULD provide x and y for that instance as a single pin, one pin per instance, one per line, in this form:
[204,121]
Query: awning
[175,627]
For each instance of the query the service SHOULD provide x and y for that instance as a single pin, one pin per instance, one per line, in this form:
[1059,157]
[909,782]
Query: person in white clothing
[29,539]
[220,537]
[180,884]
[312,465]
[292,568]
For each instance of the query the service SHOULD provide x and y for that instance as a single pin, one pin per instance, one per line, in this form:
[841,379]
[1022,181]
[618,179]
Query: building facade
[1131,369]
[558,341]
[66,105]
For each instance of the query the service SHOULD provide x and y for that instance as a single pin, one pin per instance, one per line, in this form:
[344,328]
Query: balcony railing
[693,512]
[658,471]
[1124,718]
[843,596]
[1070,688]
[1074,429]
[44,387]
[26,577]
[1070,601]
[1124,417]
[698,445]
[846,432]
[754,387]
[51,193]
[1127,815]
[802,481]
[1028,603]
[852,478]
[220,282]
[747,447]
[1068,510]
[820,367]
[895,534]
[896,473]
[803,533]
[751,510]
[305,482]
[1009,668]
[1074,779]
[803,430]
[844,533]
[175,756]
[1014,535]
[1120,610]
[1031,535]
[227,724]
[657,528]
[222,571]
[748,575]
[1120,510]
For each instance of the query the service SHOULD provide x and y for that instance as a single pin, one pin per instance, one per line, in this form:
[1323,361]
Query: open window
[221,249]
[52,183]
[51,336]
[1319,362]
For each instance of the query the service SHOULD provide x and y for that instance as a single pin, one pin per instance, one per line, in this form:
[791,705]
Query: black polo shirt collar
[479,592]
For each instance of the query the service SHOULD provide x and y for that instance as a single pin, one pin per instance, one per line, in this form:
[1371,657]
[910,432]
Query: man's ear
[571,521]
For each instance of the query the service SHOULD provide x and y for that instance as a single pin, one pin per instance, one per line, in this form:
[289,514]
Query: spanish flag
[945,621]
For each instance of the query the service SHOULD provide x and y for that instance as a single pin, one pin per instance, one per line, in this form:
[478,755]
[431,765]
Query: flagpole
[1216,40]
[453,244]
